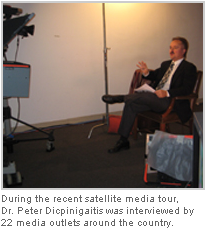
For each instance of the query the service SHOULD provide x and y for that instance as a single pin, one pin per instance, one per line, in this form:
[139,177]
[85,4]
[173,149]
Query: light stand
[105,73]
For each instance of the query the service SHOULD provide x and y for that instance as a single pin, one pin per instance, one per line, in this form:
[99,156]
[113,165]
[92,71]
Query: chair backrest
[196,89]
[137,81]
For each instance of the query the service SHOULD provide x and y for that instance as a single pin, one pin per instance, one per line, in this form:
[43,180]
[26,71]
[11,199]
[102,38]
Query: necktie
[165,77]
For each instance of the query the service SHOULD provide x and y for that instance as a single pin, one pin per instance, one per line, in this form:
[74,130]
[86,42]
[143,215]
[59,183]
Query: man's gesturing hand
[143,67]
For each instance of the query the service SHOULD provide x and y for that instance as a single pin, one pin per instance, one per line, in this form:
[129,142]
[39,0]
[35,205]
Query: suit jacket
[182,83]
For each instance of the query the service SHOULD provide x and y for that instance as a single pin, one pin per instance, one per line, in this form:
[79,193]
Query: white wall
[66,52]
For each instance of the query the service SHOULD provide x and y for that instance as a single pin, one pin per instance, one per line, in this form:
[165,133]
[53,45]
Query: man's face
[177,50]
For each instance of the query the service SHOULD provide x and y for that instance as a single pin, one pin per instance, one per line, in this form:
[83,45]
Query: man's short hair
[184,42]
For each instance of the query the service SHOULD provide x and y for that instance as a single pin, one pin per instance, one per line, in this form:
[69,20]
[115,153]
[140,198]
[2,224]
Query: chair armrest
[187,97]
[169,109]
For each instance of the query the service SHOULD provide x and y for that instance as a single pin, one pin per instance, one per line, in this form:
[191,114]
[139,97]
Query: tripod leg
[31,126]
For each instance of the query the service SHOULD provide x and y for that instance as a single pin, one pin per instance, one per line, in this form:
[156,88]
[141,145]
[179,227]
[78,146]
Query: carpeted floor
[79,162]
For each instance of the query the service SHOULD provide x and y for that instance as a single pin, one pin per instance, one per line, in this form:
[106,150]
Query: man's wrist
[146,73]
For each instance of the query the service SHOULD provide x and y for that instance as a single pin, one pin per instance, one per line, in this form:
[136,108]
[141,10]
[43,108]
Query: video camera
[15,26]
[16,79]
[16,75]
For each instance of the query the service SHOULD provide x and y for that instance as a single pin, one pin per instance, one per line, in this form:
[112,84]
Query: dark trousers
[140,102]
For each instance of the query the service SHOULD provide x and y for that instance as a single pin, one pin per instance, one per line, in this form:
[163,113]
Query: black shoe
[120,145]
[112,99]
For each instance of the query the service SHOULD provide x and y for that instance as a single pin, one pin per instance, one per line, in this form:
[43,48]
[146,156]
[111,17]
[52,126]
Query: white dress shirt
[167,84]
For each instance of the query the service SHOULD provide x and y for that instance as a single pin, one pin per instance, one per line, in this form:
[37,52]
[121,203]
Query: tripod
[9,140]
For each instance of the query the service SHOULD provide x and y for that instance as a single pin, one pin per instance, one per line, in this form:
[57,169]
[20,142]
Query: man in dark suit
[175,77]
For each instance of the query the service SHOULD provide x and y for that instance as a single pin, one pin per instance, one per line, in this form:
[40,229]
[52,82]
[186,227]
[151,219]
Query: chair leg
[134,129]
[191,126]
[162,127]
[168,128]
